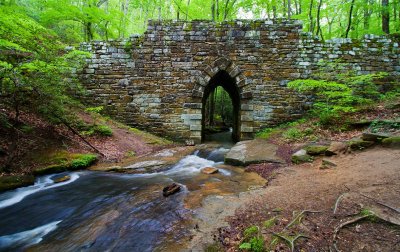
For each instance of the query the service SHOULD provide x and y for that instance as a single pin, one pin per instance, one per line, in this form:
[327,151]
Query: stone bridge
[160,81]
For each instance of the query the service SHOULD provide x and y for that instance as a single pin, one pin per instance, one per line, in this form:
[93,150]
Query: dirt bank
[368,180]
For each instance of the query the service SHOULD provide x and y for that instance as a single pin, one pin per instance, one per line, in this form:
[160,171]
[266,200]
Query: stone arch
[227,72]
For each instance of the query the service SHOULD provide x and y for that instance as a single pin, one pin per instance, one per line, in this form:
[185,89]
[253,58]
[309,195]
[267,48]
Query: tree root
[290,239]
[352,221]
[298,216]
[337,229]
[381,203]
[337,202]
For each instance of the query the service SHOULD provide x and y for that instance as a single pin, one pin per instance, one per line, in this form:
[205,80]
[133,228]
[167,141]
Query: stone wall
[157,81]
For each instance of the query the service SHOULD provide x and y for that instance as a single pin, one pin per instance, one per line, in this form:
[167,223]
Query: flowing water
[98,211]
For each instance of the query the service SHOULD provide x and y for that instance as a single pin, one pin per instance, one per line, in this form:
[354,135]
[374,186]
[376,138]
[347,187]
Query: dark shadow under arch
[223,79]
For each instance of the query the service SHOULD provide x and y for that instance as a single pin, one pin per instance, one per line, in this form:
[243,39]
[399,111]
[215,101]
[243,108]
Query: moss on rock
[301,156]
[68,162]
[392,142]
[359,144]
[13,182]
[316,150]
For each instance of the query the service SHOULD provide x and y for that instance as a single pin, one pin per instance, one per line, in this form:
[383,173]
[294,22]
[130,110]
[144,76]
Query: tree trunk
[366,14]
[212,107]
[89,33]
[213,10]
[299,7]
[350,18]
[319,31]
[187,10]
[385,16]
[288,9]
[226,9]
[310,18]
[284,8]
[217,9]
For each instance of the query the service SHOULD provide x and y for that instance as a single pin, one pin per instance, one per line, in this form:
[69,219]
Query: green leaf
[245,245]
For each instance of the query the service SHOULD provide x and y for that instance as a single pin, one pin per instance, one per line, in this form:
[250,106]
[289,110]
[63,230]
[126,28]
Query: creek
[98,211]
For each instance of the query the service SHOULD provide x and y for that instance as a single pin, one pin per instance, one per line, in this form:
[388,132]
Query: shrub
[293,134]
[337,91]
[103,130]
[95,109]
[83,161]
[253,240]
[100,130]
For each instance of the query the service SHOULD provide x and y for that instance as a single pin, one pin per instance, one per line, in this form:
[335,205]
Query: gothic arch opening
[220,83]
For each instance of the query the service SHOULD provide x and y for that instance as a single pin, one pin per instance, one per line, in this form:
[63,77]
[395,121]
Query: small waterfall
[43,183]
[26,238]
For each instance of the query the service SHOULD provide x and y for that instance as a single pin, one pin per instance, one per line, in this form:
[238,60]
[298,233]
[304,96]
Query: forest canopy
[85,20]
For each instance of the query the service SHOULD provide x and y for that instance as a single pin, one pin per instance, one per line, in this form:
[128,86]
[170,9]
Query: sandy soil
[363,180]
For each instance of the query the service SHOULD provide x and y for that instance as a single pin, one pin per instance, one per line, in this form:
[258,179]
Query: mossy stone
[316,150]
[57,168]
[374,137]
[74,162]
[301,156]
[13,182]
[392,142]
[359,144]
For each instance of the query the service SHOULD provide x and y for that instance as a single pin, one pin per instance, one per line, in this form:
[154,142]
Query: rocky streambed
[125,210]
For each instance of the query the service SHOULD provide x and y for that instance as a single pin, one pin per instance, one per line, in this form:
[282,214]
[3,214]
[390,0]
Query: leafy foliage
[35,69]
[253,240]
[75,21]
[340,91]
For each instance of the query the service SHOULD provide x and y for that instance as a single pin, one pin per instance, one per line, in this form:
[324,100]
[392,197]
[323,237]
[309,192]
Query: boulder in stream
[171,189]
[252,152]
[62,179]
[209,170]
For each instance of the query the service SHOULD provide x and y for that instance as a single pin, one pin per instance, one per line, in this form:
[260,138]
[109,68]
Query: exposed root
[289,239]
[298,216]
[352,221]
[381,203]
[337,202]
[337,229]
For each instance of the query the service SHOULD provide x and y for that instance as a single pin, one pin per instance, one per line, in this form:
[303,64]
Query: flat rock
[336,148]
[209,170]
[359,144]
[151,164]
[326,164]
[374,137]
[315,150]
[252,152]
[62,179]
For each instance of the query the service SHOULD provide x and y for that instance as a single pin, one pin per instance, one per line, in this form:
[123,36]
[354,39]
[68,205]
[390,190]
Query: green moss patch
[13,182]
[393,142]
[316,150]
[64,161]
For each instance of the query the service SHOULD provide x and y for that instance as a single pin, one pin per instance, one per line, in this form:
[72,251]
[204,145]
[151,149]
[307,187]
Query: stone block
[247,107]
[246,129]
[195,127]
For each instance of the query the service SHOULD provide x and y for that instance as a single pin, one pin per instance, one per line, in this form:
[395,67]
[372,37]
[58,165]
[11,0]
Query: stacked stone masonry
[156,81]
